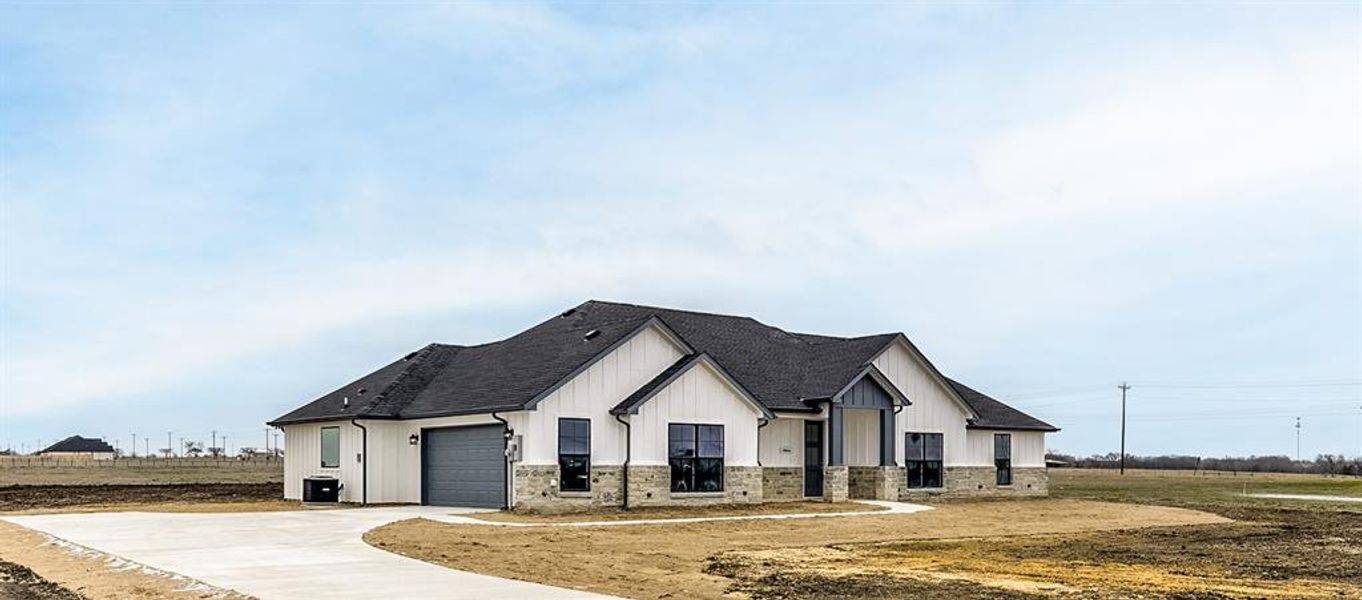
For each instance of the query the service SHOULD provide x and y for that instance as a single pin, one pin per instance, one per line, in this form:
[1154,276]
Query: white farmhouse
[610,404]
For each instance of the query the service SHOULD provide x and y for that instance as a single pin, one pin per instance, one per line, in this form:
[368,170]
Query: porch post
[887,437]
[835,421]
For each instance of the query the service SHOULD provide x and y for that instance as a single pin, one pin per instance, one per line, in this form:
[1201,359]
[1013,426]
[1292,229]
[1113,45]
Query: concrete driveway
[295,554]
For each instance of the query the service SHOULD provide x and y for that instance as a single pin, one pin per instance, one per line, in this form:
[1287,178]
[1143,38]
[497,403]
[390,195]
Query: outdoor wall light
[414,439]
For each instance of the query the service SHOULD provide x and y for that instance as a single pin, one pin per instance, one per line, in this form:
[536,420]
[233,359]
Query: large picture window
[330,447]
[922,452]
[696,456]
[1002,457]
[574,455]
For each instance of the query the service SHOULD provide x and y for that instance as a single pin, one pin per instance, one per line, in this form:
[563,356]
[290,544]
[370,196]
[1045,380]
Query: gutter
[364,464]
[507,432]
[628,454]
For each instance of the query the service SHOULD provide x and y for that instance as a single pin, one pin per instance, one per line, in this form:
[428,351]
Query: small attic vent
[591,334]
[362,390]
[567,313]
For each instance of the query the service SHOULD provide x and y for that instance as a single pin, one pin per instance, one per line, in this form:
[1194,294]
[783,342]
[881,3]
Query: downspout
[364,463]
[762,422]
[505,445]
[628,453]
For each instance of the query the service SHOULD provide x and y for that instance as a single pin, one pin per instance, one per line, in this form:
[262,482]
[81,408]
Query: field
[186,484]
[1097,537]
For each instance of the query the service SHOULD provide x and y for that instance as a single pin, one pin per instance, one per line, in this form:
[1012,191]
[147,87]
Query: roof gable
[776,369]
[678,369]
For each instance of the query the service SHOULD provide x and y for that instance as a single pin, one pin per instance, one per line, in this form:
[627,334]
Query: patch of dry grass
[679,512]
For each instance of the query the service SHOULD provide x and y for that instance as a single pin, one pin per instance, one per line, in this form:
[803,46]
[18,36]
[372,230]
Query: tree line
[1323,464]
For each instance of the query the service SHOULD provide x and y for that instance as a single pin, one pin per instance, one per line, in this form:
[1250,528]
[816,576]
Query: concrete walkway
[284,555]
[892,508]
[1318,497]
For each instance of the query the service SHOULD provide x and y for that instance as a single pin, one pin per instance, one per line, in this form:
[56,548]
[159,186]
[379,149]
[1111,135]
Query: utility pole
[134,445]
[1124,388]
[146,443]
[267,440]
[226,451]
[169,448]
[1298,439]
[276,442]
[215,443]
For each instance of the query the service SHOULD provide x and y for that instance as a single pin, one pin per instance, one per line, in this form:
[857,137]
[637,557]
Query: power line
[1348,383]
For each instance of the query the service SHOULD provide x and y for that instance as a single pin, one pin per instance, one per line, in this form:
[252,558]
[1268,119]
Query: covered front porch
[847,452]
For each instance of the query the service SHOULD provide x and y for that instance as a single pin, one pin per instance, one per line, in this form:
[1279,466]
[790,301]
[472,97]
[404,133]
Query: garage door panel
[464,466]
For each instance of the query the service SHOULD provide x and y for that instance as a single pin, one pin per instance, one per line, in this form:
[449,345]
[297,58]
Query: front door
[813,459]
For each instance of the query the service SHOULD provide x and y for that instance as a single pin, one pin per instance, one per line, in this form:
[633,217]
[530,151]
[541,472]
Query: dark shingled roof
[781,370]
[76,443]
[994,414]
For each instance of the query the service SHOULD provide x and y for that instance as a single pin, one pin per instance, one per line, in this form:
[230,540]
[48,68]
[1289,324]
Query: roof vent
[362,390]
[567,313]
[591,334]
[345,402]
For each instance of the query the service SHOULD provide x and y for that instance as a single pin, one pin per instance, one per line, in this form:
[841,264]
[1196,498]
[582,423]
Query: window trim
[909,461]
[998,463]
[695,458]
[562,481]
[322,447]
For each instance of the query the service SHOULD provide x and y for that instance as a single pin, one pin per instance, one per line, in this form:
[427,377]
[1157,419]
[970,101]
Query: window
[574,455]
[1002,457]
[696,456]
[922,452]
[330,447]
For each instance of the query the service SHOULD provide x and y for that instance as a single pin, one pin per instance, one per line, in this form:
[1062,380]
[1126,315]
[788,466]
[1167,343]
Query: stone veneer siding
[782,484]
[651,486]
[979,482]
[835,484]
[875,483]
[536,488]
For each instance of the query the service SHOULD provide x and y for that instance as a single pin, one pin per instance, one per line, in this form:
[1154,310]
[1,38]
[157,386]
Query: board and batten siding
[591,395]
[1028,448]
[861,437]
[698,396]
[934,409]
[394,463]
[303,458]
[781,443]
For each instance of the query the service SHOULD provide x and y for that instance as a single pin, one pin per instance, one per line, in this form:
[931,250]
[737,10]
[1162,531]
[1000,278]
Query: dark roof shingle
[780,369]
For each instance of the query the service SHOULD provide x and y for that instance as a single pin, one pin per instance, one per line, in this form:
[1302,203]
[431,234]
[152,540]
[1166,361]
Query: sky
[213,213]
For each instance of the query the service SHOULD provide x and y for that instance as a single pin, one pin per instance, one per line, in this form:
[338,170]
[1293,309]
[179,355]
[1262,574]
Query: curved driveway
[284,555]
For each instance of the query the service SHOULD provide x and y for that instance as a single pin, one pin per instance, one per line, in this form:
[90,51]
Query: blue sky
[215,212]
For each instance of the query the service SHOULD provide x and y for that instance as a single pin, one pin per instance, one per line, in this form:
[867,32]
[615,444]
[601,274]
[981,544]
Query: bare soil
[672,512]
[89,574]
[1286,554]
[18,582]
[142,473]
[30,498]
[704,560]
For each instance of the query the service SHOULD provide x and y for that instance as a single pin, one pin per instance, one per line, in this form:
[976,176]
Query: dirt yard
[678,512]
[679,560]
[53,572]
[177,497]
[139,472]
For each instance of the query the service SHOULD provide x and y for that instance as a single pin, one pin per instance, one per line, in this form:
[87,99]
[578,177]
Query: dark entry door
[813,458]
[464,466]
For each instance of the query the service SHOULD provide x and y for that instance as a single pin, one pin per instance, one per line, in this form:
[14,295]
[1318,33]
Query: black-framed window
[922,452]
[1002,457]
[574,455]
[330,447]
[696,456]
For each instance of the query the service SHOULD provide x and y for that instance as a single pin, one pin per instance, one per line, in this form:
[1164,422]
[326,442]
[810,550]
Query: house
[79,447]
[610,404]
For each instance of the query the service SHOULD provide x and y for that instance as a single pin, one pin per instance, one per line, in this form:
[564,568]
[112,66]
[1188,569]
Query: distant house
[611,404]
[79,447]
